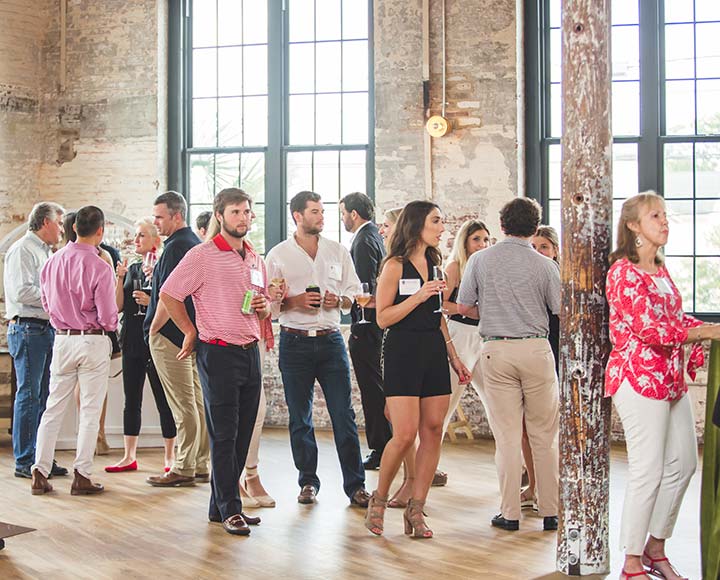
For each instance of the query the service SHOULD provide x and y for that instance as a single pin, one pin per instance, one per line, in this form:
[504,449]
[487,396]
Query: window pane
[257,232]
[327,67]
[680,217]
[355,66]
[617,211]
[678,166]
[255,70]
[625,170]
[681,271]
[299,173]
[230,117]
[707,169]
[355,118]
[204,72]
[707,284]
[624,11]
[328,120]
[302,20]
[252,175]
[204,23]
[332,222]
[678,11]
[352,172]
[327,20]
[679,51]
[554,218]
[229,22]
[256,127]
[204,118]
[626,108]
[555,13]
[708,50]
[227,171]
[230,71]
[680,107]
[707,10]
[555,56]
[302,120]
[625,53]
[707,228]
[255,27]
[708,107]
[554,171]
[355,19]
[302,68]
[327,176]
[555,110]
[202,178]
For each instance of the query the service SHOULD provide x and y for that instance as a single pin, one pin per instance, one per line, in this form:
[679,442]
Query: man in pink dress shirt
[78,292]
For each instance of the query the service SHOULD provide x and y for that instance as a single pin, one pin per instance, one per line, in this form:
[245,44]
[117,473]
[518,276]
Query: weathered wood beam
[586,235]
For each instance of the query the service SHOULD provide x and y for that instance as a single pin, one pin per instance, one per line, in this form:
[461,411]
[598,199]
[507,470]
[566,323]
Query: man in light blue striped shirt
[511,287]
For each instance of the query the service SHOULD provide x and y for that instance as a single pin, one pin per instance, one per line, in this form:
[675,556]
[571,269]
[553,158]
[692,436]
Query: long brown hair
[551,235]
[625,245]
[408,231]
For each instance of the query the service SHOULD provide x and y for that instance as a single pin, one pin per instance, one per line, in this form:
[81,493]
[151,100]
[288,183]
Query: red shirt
[217,278]
[647,329]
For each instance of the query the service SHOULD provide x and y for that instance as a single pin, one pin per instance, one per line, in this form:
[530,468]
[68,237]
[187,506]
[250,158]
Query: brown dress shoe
[81,485]
[236,525]
[307,494]
[202,477]
[40,484]
[361,498]
[171,479]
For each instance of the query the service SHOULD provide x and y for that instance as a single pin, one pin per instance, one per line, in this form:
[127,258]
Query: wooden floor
[137,531]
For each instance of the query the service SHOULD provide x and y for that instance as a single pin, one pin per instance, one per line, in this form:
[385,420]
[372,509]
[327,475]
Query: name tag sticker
[408,286]
[335,272]
[256,278]
[663,285]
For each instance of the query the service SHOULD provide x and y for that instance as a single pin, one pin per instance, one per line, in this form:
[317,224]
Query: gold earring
[638,242]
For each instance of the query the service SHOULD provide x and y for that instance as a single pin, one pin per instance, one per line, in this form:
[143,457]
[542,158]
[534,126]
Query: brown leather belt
[73,332]
[311,333]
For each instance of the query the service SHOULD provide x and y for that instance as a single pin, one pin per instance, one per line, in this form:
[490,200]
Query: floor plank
[137,531]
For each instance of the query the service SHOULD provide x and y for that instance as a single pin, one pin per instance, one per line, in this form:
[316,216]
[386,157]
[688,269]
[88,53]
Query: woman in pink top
[645,378]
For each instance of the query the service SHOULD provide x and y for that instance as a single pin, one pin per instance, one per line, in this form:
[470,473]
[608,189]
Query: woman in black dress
[416,351]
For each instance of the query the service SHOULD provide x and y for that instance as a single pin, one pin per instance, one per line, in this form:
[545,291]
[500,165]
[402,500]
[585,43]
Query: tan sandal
[262,500]
[395,501]
[375,515]
[415,521]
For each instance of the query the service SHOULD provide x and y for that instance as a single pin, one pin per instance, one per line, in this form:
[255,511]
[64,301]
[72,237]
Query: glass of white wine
[363,299]
[438,275]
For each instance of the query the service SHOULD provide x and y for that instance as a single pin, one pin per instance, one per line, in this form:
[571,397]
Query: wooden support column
[586,235]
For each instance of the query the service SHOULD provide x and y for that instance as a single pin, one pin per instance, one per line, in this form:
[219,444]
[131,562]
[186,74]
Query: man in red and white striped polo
[218,274]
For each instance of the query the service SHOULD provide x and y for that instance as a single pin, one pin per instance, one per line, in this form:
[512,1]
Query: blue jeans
[30,344]
[302,360]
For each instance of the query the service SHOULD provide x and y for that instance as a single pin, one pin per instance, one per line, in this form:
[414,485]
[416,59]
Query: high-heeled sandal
[415,521]
[650,568]
[262,500]
[394,502]
[375,515]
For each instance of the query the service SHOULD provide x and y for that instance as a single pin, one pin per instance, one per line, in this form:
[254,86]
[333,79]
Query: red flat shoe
[624,574]
[120,468]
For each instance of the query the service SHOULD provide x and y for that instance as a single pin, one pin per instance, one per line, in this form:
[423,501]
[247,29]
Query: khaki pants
[520,380]
[181,384]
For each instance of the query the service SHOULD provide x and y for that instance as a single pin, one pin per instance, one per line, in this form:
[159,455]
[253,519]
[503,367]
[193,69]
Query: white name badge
[408,286]
[663,285]
[335,272]
[256,278]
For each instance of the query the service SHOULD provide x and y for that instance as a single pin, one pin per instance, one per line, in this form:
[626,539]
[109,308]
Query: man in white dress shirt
[320,281]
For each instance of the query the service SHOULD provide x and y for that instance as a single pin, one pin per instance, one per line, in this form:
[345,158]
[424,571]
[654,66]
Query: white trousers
[662,457]
[468,345]
[77,360]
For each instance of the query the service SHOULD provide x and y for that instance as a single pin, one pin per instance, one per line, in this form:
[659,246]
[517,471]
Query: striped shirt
[217,278]
[514,287]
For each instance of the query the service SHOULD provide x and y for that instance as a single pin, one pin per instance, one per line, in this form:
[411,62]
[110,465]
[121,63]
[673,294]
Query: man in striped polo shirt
[217,275]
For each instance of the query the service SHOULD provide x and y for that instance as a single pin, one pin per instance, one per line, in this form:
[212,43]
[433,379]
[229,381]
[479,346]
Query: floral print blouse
[647,329]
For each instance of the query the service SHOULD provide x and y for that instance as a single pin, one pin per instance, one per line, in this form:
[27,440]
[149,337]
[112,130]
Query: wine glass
[363,299]
[438,275]
[278,282]
[148,263]
[137,285]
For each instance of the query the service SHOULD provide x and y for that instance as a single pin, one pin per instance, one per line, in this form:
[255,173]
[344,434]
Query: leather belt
[29,320]
[73,332]
[310,333]
[220,342]
[486,338]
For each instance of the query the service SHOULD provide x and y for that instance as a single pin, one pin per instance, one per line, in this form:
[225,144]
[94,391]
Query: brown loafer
[236,525]
[249,520]
[40,484]
[170,479]
[307,494]
[202,477]
[360,498]
[81,485]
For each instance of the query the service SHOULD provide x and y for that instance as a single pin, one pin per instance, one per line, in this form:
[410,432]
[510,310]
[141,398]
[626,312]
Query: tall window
[665,122]
[277,100]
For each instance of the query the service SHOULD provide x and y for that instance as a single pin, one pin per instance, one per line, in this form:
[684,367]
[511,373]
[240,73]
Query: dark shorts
[415,364]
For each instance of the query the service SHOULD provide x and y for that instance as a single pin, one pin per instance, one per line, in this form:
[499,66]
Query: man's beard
[313,230]
[234,233]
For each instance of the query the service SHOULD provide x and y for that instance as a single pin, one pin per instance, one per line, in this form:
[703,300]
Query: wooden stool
[460,425]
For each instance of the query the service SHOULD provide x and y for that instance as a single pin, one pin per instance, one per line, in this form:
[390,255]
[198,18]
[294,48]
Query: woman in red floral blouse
[645,377]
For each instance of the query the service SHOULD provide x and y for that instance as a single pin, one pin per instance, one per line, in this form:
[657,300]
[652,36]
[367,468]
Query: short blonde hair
[149,225]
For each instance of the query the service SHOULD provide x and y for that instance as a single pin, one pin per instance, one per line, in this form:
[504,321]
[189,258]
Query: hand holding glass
[137,287]
[438,275]
[363,299]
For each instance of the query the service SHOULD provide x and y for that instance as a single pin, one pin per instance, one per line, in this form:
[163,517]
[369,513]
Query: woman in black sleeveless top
[416,375]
